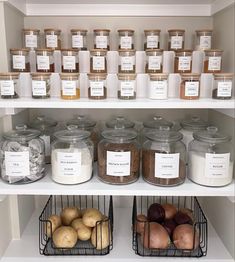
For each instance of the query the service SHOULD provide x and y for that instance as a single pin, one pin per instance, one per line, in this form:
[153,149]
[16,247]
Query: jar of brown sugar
[98,61]
[70,88]
[213,61]
[183,61]
[101,39]
[127,86]
[45,60]
[176,39]
[152,39]
[97,86]
[126,61]
[223,86]
[9,83]
[79,39]
[41,85]
[20,60]
[190,86]
[53,38]
[69,63]
[31,38]
[154,61]
[203,39]
[126,39]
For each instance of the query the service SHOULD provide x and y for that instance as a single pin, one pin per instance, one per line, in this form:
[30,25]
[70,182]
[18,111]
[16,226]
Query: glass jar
[45,60]
[158,86]
[183,61]
[53,38]
[101,39]
[203,39]
[70,87]
[154,61]
[41,85]
[22,156]
[127,61]
[211,158]
[163,156]
[31,38]
[69,61]
[98,61]
[79,39]
[176,39]
[97,86]
[120,122]
[71,156]
[47,127]
[126,39]
[9,83]
[20,60]
[213,61]
[223,86]
[152,39]
[118,157]
[126,86]
[190,86]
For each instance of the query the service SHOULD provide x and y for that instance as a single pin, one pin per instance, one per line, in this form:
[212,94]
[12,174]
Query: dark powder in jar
[27,68]
[215,95]
[97,97]
[126,97]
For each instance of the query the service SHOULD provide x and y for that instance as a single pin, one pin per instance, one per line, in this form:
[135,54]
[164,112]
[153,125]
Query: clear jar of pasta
[154,61]
[9,83]
[127,86]
[41,85]
[176,39]
[126,39]
[53,38]
[97,86]
[79,39]
[70,86]
[213,61]
[183,61]
[45,60]
[223,86]
[69,61]
[98,61]
[31,38]
[203,39]
[190,86]
[127,61]
[20,60]
[158,86]
[152,39]
[101,39]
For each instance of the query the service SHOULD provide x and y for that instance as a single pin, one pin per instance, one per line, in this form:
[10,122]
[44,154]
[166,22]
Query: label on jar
[7,87]
[118,163]
[205,42]
[217,165]
[68,88]
[127,88]
[152,41]
[184,63]
[77,41]
[154,62]
[47,142]
[214,63]
[97,88]
[167,165]
[69,164]
[43,62]
[192,88]
[176,42]
[224,89]
[17,164]
[158,89]
[31,41]
[98,63]
[52,41]
[19,62]
[39,88]
[127,63]
[69,62]
[101,41]
[126,42]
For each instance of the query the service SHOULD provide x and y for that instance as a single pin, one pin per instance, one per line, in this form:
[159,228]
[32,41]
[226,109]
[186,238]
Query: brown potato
[84,232]
[55,222]
[91,217]
[68,214]
[65,237]
[101,237]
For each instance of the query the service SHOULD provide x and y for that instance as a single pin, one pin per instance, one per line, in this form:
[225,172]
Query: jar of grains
[127,86]
[154,61]
[183,61]
[41,85]
[9,84]
[203,39]
[127,61]
[152,39]
[45,60]
[176,39]
[70,87]
[190,86]
[69,63]
[158,86]
[213,61]
[53,38]
[79,39]
[101,39]
[126,39]
[20,60]
[97,86]
[98,61]
[223,86]
[31,38]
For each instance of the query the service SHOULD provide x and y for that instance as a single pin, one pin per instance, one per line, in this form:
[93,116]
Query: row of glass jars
[126,39]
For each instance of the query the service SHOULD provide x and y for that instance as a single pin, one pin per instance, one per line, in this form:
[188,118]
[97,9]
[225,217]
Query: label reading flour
[47,142]
[31,41]
[98,63]
[19,62]
[97,88]
[224,89]
[39,88]
[217,165]
[127,88]
[77,41]
[184,63]
[214,63]
[69,164]
[68,88]
[101,41]
[205,42]
[155,62]
[158,89]
[192,88]
[43,62]
[152,41]
[176,42]
[126,42]
[7,87]
[69,62]
[52,41]
[118,163]
[127,63]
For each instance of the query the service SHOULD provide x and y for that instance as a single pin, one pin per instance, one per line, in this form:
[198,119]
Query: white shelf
[26,249]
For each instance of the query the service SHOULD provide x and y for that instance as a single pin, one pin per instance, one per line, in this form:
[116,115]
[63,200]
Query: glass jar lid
[71,134]
[164,134]
[120,122]
[194,123]
[119,135]
[42,123]
[82,122]
[156,122]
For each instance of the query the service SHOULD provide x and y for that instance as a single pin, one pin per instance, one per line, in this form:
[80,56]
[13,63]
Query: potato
[65,237]
[68,214]
[100,237]
[55,222]
[84,232]
[91,216]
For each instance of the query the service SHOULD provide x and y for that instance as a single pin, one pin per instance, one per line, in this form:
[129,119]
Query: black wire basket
[141,205]
[55,205]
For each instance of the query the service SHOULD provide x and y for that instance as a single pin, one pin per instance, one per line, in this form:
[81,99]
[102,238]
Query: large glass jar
[211,158]
[118,157]
[20,60]
[223,86]
[213,61]
[70,86]
[152,39]
[41,85]
[97,86]
[154,61]
[163,158]
[203,39]
[71,156]
[126,39]
[31,38]
[45,60]
[53,38]
[183,61]
[127,61]
[9,83]
[98,61]
[22,156]
[158,86]
[190,86]
[176,39]
[79,39]
[127,86]
[101,39]
[69,61]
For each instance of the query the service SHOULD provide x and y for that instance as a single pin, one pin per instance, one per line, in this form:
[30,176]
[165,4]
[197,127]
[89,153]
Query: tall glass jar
[70,86]
[203,39]
[154,61]
[79,39]
[20,60]
[71,156]
[213,61]
[53,38]
[176,39]
[31,38]
[118,157]
[183,61]
[101,39]
[158,86]
[223,86]
[126,39]
[9,83]
[69,61]
[45,60]
[97,86]
[98,61]
[127,61]
[41,85]
[152,39]
[190,86]
[127,86]
[211,158]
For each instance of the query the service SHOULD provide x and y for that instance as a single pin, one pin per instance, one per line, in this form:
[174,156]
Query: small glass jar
[79,39]
[69,61]
[20,60]
[9,83]
[98,61]
[120,122]
[71,156]
[190,86]
[53,38]
[97,86]
[41,85]
[213,61]
[223,86]
[70,87]
[22,156]
[127,61]
[163,156]
[101,39]
[31,38]
[126,86]
[176,39]
[118,157]
[154,61]
[126,39]
[183,61]
[47,127]
[203,39]
[45,61]
[158,86]
[211,158]
[152,39]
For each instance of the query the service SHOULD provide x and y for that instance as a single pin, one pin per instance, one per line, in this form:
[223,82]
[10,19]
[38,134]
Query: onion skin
[140,222]
[182,218]
[188,212]
[170,210]
[169,225]
[156,213]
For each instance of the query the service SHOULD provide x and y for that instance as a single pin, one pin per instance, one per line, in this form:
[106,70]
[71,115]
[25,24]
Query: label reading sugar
[47,142]
[158,89]
[167,165]
[152,41]
[31,41]
[192,88]
[224,89]
[43,62]
[118,163]
[184,63]
[77,41]
[101,41]
[19,62]
[217,165]
[126,42]
[52,41]
[69,62]
[7,87]
[39,88]
[17,164]
[127,63]
[214,63]
[176,42]
[127,88]
[98,63]
[154,62]
[69,164]
[68,88]
[205,42]
[97,88]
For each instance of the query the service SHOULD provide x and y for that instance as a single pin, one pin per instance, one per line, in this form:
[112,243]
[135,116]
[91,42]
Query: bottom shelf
[26,249]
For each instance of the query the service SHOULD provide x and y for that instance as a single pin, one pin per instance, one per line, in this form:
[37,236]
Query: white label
[217,165]
[126,42]
[69,62]
[69,164]
[205,42]
[52,41]
[101,41]
[176,42]
[214,63]
[43,62]
[184,63]
[152,41]
[127,63]
[39,88]
[192,88]
[98,63]
[167,165]
[118,163]
[127,88]
[17,164]
[19,62]
[7,88]
[97,88]
[68,88]
[224,89]
[47,142]
[154,62]
[77,41]
[158,89]
[31,41]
